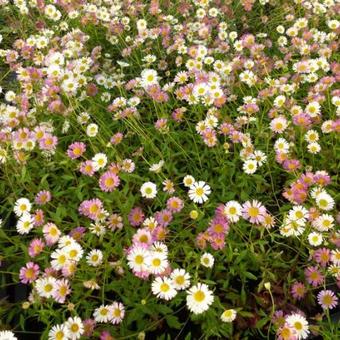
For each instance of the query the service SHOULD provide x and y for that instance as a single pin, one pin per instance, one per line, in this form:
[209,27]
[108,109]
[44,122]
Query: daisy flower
[199,298]
[279,124]
[199,192]
[22,205]
[60,259]
[163,288]
[207,260]
[315,239]
[45,286]
[327,299]
[75,327]
[298,290]
[7,335]
[180,279]
[43,197]
[61,290]
[117,312]
[157,167]
[233,211]
[58,332]
[149,77]
[259,157]
[108,181]
[253,212]
[188,181]
[137,259]
[29,273]
[148,190]
[299,324]
[324,222]
[229,315]
[25,224]
[313,276]
[74,252]
[102,314]
[99,161]
[51,233]
[324,201]
[249,166]
[156,263]
[94,257]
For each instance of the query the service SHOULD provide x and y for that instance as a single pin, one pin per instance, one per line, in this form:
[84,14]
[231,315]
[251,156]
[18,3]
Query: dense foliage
[169,169]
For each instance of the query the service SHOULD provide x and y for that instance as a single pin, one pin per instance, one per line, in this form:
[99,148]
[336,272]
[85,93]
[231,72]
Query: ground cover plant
[169,169]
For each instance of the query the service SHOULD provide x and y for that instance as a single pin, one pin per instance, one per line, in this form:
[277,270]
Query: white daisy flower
[22,205]
[188,181]
[207,260]
[75,327]
[233,211]
[58,332]
[102,314]
[45,286]
[299,324]
[229,315]
[199,192]
[92,130]
[315,239]
[25,224]
[159,247]
[148,190]
[94,257]
[324,222]
[60,259]
[137,259]
[163,288]
[74,252]
[324,201]
[156,263]
[149,77]
[180,279]
[7,335]
[157,167]
[199,298]
[249,166]
[99,161]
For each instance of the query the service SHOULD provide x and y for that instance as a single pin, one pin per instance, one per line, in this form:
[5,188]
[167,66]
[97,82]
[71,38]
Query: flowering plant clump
[169,169]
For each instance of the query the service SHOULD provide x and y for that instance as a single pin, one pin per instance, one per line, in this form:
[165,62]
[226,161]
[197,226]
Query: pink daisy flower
[62,289]
[87,168]
[116,138]
[36,247]
[136,216]
[253,211]
[163,217]
[142,237]
[174,204]
[29,273]
[76,150]
[327,299]
[298,290]
[313,276]
[89,325]
[91,208]
[108,181]
[217,242]
[48,142]
[38,218]
[51,233]
[322,256]
[43,197]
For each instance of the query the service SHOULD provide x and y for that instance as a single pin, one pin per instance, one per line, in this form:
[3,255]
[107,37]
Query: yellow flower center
[199,296]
